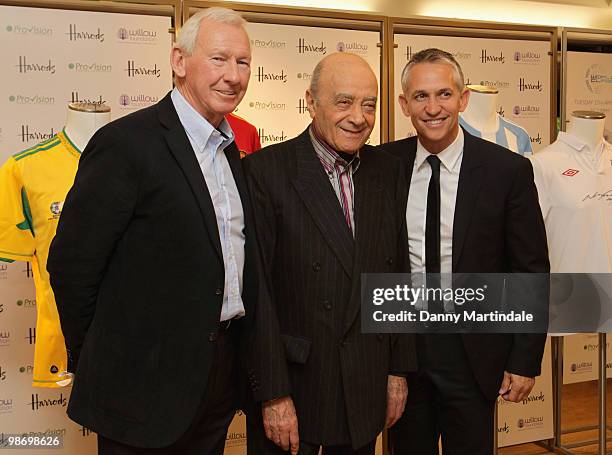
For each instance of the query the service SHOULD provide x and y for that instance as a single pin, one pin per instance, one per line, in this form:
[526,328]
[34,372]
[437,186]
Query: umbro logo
[570,172]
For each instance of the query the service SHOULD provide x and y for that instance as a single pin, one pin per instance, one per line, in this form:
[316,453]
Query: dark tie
[432,220]
[432,234]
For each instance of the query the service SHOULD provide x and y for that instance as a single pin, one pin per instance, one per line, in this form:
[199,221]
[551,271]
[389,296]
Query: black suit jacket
[137,271]
[498,227]
[308,340]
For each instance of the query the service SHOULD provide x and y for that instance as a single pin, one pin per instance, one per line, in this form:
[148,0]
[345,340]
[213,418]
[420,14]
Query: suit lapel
[180,147]
[470,180]
[368,185]
[315,190]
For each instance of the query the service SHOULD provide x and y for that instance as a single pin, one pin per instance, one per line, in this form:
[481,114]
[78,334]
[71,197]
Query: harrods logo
[26,66]
[269,44]
[32,99]
[304,47]
[28,270]
[505,428]
[302,106]
[525,85]
[31,335]
[2,374]
[28,135]
[263,76]
[38,403]
[25,30]
[501,111]
[136,35]
[85,432]
[534,398]
[75,98]
[485,57]
[2,269]
[76,35]
[134,70]
[536,139]
[409,52]
[267,136]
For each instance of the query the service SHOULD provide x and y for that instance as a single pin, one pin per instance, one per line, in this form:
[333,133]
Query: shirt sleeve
[17,242]
[541,186]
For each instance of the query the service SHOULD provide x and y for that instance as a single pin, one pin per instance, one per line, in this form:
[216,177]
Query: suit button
[316,266]
[327,305]
[212,337]
[219,291]
[389,261]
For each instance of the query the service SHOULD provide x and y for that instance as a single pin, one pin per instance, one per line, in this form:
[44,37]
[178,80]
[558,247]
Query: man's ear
[177,61]
[403,102]
[310,103]
[465,98]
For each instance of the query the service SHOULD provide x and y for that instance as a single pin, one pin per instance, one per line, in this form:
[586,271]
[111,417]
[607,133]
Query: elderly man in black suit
[472,207]
[327,208]
[154,258]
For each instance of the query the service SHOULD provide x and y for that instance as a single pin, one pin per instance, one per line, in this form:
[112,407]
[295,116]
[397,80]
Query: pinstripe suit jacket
[308,340]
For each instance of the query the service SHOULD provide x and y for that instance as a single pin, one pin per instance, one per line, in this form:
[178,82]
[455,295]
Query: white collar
[448,157]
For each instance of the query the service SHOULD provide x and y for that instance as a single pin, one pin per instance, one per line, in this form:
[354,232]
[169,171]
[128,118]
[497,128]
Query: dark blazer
[138,275]
[498,227]
[308,340]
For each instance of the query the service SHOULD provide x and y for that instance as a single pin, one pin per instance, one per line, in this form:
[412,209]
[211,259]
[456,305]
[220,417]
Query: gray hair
[188,33]
[433,55]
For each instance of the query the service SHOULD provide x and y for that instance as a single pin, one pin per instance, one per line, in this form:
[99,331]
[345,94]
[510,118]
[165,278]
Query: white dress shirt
[208,144]
[416,212]
[575,191]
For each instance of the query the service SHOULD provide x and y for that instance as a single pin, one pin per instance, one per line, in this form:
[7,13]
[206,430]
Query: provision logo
[571,173]
[5,338]
[31,335]
[267,137]
[29,30]
[596,78]
[268,44]
[31,135]
[84,35]
[32,99]
[137,100]
[93,67]
[134,70]
[530,422]
[39,403]
[527,57]
[76,98]
[304,76]
[302,106]
[462,55]
[505,428]
[497,84]
[590,346]
[49,432]
[267,105]
[136,35]
[304,47]
[353,47]
[536,139]
[27,66]
[486,57]
[526,110]
[540,397]
[26,369]
[6,405]
[26,303]
[262,76]
[525,85]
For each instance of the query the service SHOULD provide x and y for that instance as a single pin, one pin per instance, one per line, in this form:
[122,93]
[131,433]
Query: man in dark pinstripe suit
[327,208]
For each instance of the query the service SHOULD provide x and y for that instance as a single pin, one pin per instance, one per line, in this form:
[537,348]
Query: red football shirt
[246,136]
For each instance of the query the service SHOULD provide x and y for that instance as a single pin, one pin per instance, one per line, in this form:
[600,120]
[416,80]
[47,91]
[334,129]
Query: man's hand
[397,391]
[515,388]
[281,424]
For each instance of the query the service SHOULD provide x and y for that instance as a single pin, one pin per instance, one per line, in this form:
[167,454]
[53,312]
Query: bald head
[342,100]
[335,62]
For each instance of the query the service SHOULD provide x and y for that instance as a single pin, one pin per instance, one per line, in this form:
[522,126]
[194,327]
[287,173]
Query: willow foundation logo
[353,47]
[137,100]
[6,405]
[136,35]
[581,367]
[527,57]
[526,110]
[528,423]
[74,34]
[305,47]
[5,338]
[28,66]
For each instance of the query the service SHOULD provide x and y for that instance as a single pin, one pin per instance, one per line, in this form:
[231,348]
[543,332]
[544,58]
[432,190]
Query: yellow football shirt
[33,186]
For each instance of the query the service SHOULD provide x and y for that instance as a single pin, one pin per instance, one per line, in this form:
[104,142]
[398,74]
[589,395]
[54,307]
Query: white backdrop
[519,69]
[50,58]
